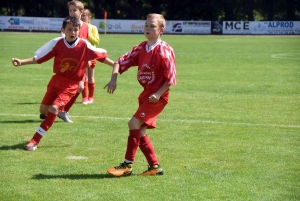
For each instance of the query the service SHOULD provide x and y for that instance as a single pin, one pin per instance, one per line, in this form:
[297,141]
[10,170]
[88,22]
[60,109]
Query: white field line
[170,120]
[77,157]
[295,56]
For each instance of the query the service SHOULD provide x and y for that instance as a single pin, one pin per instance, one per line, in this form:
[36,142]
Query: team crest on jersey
[146,74]
[68,64]
[142,114]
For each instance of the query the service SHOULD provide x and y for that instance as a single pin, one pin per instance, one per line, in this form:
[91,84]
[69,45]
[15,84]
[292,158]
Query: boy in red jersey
[76,9]
[71,55]
[156,73]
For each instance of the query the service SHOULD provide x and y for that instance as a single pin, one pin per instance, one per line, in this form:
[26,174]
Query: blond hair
[88,12]
[159,17]
[76,3]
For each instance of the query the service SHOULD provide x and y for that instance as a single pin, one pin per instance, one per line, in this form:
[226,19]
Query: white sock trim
[41,131]
[128,161]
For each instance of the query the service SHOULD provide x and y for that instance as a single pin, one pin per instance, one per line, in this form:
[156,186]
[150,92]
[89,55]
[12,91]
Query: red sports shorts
[148,112]
[57,96]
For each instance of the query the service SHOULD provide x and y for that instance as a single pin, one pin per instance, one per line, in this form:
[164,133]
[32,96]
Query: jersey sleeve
[129,59]
[94,38]
[169,63]
[45,52]
[95,53]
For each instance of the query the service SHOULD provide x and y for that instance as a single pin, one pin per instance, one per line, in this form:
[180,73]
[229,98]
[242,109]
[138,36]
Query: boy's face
[152,30]
[85,17]
[71,32]
[74,12]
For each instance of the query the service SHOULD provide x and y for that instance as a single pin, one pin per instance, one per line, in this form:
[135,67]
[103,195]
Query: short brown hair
[71,20]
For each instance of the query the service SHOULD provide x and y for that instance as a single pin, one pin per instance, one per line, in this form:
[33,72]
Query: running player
[69,68]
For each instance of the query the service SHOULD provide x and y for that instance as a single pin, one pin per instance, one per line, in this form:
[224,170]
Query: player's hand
[111,87]
[89,63]
[153,98]
[16,62]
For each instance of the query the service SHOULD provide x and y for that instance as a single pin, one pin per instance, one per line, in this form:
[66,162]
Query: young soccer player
[76,9]
[156,73]
[94,39]
[71,55]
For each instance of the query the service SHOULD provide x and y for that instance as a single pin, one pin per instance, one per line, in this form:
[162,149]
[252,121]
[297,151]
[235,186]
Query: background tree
[237,10]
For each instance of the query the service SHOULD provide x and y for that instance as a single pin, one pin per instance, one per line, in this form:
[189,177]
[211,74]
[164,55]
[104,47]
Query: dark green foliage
[173,10]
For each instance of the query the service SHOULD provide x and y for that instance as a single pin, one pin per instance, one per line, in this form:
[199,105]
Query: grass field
[231,130]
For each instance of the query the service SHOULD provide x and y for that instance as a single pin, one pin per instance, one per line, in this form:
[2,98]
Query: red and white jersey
[84,30]
[70,61]
[156,65]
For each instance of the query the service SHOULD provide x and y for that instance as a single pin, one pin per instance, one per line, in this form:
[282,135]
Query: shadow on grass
[20,122]
[22,145]
[13,147]
[28,103]
[72,176]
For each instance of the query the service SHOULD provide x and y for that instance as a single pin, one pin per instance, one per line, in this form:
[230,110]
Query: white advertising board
[119,26]
[261,27]
[137,26]
[30,23]
[172,27]
[282,27]
[189,27]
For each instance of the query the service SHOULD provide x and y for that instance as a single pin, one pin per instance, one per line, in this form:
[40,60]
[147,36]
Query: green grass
[231,130]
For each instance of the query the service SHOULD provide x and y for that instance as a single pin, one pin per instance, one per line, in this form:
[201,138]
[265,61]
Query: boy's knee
[134,123]
[54,109]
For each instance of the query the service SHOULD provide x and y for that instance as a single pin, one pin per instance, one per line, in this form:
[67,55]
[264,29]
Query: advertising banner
[119,26]
[172,27]
[274,27]
[261,27]
[216,27]
[30,23]
[189,27]
[137,26]
[236,27]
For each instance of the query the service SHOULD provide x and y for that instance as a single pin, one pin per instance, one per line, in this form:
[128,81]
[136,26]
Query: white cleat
[65,117]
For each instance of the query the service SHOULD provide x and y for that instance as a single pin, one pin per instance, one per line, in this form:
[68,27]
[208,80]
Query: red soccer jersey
[70,61]
[156,65]
[84,31]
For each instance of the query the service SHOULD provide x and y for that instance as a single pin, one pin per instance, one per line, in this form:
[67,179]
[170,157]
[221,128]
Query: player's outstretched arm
[109,62]
[112,84]
[20,62]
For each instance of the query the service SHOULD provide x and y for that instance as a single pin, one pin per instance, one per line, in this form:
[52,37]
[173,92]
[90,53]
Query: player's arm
[112,84]
[20,62]
[94,38]
[109,62]
[169,64]
[153,98]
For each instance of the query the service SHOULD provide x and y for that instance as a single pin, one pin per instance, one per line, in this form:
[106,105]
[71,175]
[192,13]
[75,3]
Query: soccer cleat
[152,171]
[85,101]
[42,116]
[91,100]
[65,117]
[124,169]
[31,146]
